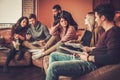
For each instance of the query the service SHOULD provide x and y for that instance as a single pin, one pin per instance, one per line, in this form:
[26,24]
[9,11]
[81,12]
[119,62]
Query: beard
[56,17]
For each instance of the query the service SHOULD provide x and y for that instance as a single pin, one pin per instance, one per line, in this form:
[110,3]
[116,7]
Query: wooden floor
[23,73]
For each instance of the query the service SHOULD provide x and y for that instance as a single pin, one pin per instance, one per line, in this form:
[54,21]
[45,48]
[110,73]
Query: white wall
[10,11]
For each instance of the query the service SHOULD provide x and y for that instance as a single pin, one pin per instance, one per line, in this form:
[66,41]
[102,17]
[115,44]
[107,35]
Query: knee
[53,67]
[53,54]
[25,43]
[52,57]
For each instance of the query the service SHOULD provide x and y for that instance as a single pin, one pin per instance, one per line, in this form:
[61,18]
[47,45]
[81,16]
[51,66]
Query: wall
[78,9]
[98,2]
[27,8]
[9,11]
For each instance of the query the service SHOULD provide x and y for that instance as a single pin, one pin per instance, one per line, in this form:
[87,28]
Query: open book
[70,50]
[75,45]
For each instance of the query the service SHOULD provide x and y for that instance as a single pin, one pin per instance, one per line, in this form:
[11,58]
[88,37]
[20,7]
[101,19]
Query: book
[70,50]
[35,50]
[75,45]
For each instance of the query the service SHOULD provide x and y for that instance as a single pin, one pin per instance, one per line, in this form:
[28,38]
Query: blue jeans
[66,65]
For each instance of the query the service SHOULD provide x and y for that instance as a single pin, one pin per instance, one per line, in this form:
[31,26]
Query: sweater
[39,32]
[107,50]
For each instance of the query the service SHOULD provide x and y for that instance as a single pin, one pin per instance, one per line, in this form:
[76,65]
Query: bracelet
[88,58]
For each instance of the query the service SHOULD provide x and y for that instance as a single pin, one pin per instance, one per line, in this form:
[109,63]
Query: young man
[37,33]
[105,53]
[117,21]
[57,12]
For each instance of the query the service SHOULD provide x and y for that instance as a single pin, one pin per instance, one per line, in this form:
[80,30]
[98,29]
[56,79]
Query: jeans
[67,65]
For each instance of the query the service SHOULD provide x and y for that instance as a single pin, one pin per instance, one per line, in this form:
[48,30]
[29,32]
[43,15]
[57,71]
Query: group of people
[100,41]
[29,33]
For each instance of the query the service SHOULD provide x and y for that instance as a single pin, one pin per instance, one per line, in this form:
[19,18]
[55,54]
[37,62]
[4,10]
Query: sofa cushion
[109,72]
[6,33]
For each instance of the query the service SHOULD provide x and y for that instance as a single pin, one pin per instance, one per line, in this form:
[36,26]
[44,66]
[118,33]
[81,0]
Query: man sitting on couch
[105,53]
[37,33]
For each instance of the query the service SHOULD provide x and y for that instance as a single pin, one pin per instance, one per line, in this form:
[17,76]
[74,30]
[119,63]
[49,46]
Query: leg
[29,45]
[70,68]
[21,53]
[62,50]
[10,56]
[58,56]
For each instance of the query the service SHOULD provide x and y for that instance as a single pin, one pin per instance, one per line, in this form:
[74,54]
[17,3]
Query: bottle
[17,44]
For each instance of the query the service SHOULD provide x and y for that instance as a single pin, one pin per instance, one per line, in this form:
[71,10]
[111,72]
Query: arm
[70,34]
[51,49]
[73,41]
[50,42]
[88,49]
[54,30]
[29,34]
[21,37]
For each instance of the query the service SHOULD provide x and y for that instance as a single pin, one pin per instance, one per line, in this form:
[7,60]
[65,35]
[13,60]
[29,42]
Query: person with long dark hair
[18,33]
[61,32]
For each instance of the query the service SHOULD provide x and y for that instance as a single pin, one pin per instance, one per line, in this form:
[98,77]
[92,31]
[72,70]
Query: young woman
[18,33]
[84,39]
[87,34]
[62,32]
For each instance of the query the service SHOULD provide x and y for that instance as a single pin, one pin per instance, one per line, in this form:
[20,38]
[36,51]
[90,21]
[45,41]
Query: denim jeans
[67,65]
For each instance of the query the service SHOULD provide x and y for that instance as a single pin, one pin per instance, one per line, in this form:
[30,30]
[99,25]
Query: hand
[15,44]
[83,56]
[70,41]
[28,36]
[16,36]
[41,42]
[86,49]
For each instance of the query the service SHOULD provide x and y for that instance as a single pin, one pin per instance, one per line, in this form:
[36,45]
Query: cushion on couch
[109,72]
[6,33]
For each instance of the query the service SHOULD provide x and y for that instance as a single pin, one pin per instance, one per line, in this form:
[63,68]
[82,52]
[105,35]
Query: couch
[109,72]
